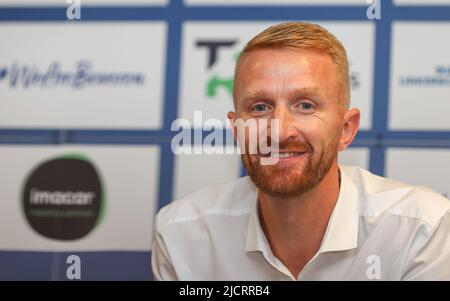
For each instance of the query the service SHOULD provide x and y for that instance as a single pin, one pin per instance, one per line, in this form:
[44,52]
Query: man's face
[301,89]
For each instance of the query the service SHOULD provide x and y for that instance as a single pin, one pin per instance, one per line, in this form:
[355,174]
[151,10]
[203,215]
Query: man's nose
[287,124]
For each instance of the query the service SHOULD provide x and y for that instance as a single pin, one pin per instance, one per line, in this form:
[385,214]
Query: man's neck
[295,227]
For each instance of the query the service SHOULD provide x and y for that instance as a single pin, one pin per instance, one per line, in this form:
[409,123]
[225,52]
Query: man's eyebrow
[261,94]
[255,95]
[310,91]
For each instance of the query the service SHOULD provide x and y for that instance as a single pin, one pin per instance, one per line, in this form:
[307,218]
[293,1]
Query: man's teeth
[284,155]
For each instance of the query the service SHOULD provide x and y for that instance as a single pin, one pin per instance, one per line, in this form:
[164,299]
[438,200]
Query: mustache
[295,146]
[287,146]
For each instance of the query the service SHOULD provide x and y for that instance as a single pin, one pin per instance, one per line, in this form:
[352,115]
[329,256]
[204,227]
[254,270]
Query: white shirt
[379,229]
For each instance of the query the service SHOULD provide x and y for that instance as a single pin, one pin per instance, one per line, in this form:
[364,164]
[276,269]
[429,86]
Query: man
[304,217]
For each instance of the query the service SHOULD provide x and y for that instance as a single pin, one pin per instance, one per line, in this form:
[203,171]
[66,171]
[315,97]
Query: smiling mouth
[284,155]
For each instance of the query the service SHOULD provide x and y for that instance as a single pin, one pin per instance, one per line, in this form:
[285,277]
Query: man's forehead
[268,73]
[253,57]
[278,65]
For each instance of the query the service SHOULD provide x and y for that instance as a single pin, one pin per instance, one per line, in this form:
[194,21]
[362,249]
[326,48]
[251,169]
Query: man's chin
[284,191]
[282,183]
[281,180]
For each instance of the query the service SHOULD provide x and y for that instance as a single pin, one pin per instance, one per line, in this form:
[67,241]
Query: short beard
[286,183]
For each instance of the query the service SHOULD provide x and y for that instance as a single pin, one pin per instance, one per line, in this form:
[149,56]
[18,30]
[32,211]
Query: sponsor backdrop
[86,108]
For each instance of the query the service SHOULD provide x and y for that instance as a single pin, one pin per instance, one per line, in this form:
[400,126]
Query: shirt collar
[342,229]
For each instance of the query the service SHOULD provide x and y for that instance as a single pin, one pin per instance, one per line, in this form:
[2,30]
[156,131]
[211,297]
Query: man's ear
[350,128]
[232,118]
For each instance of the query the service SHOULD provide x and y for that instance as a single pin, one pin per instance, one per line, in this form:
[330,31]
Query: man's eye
[260,107]
[306,106]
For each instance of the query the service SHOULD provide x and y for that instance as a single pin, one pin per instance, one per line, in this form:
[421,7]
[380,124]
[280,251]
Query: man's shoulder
[230,198]
[381,195]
